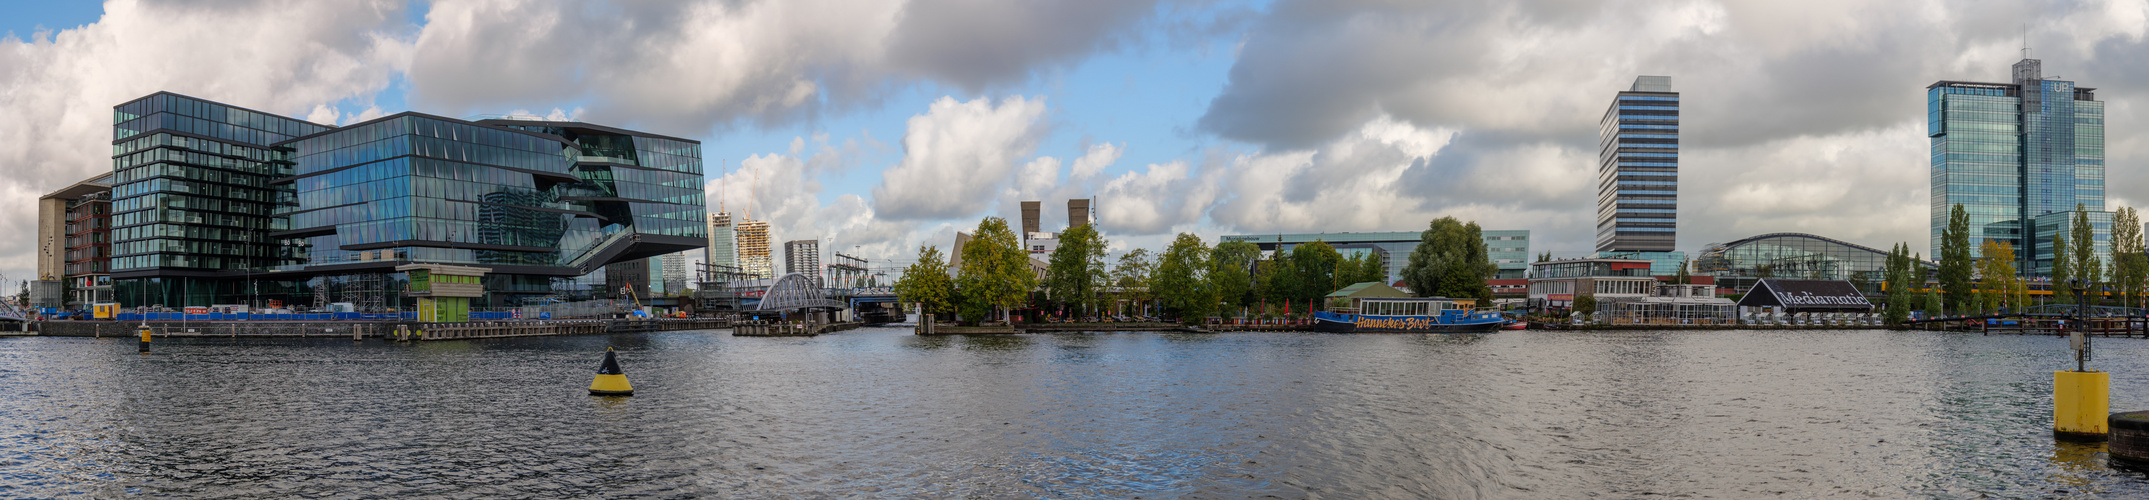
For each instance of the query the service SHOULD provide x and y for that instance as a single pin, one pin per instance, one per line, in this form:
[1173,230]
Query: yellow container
[2081,405]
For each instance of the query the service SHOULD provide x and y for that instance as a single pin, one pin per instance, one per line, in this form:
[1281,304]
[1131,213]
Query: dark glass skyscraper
[2013,154]
[1638,169]
[314,214]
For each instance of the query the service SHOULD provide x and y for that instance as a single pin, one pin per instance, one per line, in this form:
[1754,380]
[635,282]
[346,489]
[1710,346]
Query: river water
[882,413]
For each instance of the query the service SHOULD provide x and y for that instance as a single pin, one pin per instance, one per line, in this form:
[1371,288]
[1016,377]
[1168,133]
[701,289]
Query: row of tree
[1189,279]
[1990,280]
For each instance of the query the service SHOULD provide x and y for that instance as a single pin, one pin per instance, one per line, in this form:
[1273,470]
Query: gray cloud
[286,57]
[1801,102]
[976,44]
[692,67]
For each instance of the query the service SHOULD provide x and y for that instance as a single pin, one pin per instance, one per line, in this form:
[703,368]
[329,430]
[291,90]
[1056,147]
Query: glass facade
[192,198]
[1638,169]
[1508,249]
[2061,224]
[1738,264]
[723,249]
[328,212]
[2014,152]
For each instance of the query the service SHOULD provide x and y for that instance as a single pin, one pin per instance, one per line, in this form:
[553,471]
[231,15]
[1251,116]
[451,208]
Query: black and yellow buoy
[145,339]
[610,381]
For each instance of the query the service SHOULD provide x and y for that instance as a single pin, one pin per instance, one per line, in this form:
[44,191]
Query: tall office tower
[753,239]
[2019,157]
[1031,215]
[1638,169]
[723,252]
[673,275]
[1077,212]
[803,257]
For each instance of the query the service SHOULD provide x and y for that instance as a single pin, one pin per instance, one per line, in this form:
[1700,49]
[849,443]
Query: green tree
[1131,276]
[1316,263]
[1370,268]
[1075,273]
[1182,279]
[1684,278]
[1587,305]
[2062,264]
[1347,270]
[1956,263]
[995,274]
[927,284]
[1231,267]
[1275,281]
[2083,241]
[2130,268]
[1895,277]
[1450,261]
[1996,274]
[1932,303]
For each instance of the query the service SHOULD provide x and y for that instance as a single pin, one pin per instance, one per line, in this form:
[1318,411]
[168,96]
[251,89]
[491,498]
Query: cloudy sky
[885,124]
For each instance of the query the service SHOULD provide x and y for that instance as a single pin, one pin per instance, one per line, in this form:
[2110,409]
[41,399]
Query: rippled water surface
[882,413]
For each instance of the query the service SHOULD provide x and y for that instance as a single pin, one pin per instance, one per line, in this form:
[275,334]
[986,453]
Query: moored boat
[1407,315]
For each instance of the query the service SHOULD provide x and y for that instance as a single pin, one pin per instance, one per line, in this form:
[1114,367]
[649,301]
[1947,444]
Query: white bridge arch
[796,291]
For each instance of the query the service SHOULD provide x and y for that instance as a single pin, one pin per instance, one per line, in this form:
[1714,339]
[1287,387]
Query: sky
[878,126]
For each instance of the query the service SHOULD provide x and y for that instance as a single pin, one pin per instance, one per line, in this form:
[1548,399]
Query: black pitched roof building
[1804,296]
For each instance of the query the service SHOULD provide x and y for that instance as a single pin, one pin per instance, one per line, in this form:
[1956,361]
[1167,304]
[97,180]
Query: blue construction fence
[407,316]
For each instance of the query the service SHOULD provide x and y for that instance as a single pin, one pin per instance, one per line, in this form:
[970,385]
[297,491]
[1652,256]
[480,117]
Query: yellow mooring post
[2081,399]
[145,339]
[2081,405]
[610,381]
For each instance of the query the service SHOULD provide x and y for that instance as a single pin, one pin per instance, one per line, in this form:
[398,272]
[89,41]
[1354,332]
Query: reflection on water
[878,412]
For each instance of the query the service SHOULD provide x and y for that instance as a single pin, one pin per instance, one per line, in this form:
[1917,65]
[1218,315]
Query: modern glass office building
[1508,249]
[2015,152]
[1638,169]
[216,204]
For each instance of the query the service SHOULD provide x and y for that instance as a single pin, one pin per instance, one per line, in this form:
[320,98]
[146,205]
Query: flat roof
[100,182]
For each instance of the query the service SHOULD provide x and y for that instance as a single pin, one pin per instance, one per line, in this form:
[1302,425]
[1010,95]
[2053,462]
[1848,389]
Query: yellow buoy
[145,341]
[610,380]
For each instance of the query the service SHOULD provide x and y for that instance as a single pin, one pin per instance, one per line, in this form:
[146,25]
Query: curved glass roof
[1792,255]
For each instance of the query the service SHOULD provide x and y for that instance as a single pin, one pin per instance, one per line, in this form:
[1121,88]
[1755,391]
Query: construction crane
[628,290]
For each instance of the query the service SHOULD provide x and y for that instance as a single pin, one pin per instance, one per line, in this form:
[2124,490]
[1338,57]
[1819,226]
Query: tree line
[1990,281]
[1189,279]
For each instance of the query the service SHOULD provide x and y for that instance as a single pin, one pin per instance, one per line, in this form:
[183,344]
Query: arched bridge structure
[795,292]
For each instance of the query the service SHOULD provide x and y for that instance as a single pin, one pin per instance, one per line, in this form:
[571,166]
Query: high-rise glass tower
[1638,169]
[2013,154]
[723,254]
